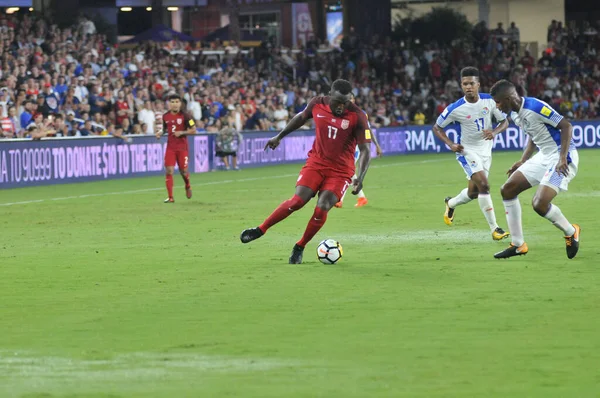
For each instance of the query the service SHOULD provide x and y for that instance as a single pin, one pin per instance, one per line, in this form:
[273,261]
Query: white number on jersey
[330,130]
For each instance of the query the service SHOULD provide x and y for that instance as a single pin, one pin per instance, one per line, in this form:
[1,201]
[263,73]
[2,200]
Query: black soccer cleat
[250,234]
[512,251]
[573,242]
[449,213]
[296,256]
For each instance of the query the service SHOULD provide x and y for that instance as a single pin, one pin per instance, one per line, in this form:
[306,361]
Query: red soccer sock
[282,212]
[169,183]
[186,179]
[314,225]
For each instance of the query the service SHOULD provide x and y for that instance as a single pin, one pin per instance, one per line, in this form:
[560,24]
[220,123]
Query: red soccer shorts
[179,157]
[319,180]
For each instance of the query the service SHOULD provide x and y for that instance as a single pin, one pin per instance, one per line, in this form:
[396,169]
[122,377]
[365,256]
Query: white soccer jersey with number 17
[470,120]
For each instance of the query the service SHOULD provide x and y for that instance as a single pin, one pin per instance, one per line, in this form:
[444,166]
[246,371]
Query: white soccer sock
[361,194]
[460,199]
[513,219]
[559,220]
[487,208]
[344,195]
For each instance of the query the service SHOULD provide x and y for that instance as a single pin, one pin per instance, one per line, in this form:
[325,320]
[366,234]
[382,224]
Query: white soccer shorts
[473,163]
[541,170]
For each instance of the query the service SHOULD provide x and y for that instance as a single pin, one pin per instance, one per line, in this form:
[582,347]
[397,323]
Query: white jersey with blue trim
[470,120]
[539,121]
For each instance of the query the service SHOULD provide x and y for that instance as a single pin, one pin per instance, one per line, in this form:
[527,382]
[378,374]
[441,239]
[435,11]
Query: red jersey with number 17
[173,122]
[336,136]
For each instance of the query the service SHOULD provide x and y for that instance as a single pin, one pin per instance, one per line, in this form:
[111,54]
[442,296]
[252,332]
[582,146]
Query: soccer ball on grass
[329,251]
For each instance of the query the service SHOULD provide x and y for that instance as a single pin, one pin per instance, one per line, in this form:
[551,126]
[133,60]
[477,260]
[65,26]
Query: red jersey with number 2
[336,136]
[173,122]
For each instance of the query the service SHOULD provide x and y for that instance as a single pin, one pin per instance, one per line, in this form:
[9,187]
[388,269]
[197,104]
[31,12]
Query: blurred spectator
[228,141]
[514,34]
[147,117]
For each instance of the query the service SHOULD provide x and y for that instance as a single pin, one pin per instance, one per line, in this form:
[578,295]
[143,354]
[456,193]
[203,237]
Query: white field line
[41,370]
[220,182]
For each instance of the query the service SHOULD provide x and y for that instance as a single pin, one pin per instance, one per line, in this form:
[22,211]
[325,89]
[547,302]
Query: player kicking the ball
[472,116]
[340,126]
[178,126]
[552,168]
[362,198]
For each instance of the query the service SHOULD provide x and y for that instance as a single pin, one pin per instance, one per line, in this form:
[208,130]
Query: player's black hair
[500,87]
[344,87]
[174,97]
[469,71]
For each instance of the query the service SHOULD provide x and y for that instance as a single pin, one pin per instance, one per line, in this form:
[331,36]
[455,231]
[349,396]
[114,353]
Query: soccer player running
[340,126]
[178,126]
[552,168]
[472,116]
[362,198]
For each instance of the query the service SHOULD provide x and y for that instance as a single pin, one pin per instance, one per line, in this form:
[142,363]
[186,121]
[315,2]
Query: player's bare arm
[297,121]
[378,150]
[527,153]
[491,134]
[566,134]
[441,135]
[364,160]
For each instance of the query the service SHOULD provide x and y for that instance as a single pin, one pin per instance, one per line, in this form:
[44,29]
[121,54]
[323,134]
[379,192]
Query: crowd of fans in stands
[72,82]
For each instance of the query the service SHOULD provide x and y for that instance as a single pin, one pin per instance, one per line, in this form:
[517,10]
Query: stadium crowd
[72,82]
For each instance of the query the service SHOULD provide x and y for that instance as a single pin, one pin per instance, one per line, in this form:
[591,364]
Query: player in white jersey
[552,168]
[362,198]
[471,117]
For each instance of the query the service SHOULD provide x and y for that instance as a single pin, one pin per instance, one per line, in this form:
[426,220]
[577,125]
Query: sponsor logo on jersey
[485,110]
[368,134]
[546,111]
[333,120]
[345,124]
[468,117]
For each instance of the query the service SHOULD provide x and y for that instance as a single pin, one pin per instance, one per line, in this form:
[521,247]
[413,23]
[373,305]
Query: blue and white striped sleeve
[546,113]
[445,118]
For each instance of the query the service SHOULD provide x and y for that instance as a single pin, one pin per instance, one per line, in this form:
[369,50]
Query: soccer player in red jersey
[178,126]
[340,126]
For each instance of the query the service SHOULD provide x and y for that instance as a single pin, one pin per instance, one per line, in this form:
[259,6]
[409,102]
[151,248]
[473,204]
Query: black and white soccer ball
[329,251]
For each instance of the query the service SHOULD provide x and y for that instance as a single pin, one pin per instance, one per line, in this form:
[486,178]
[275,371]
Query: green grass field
[108,292]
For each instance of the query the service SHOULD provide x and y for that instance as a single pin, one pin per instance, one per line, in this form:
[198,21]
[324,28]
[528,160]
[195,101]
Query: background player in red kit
[178,126]
[340,126]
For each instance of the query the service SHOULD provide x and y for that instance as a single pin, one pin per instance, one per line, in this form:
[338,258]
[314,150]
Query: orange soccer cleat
[339,204]
[361,202]
[188,192]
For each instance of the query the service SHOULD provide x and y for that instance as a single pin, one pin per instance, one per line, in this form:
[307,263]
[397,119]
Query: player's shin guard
[169,183]
[460,199]
[282,212]
[487,208]
[556,217]
[314,225]
[513,218]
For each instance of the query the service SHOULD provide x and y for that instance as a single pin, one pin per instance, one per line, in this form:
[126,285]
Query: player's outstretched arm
[378,150]
[364,159]
[441,135]
[297,121]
